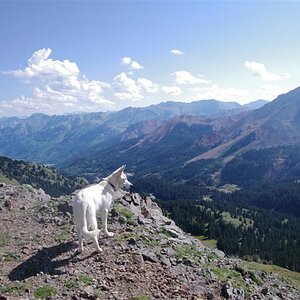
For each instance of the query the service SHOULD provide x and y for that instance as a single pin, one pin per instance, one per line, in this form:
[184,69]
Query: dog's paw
[109,234]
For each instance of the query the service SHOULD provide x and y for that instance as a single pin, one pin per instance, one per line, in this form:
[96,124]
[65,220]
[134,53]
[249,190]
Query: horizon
[100,56]
[115,111]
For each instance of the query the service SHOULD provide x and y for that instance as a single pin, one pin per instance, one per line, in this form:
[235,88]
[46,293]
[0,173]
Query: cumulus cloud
[259,70]
[148,85]
[42,67]
[185,77]
[177,52]
[134,65]
[219,93]
[172,90]
[127,88]
[58,83]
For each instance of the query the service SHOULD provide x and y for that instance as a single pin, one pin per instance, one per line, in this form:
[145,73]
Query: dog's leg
[80,241]
[78,229]
[104,215]
[93,226]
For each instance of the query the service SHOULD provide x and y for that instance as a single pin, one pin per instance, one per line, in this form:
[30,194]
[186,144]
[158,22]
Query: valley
[186,155]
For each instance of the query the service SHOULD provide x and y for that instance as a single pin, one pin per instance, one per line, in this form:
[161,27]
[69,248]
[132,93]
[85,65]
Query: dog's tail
[87,234]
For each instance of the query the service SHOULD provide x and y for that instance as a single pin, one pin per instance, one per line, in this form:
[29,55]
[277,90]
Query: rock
[186,261]
[165,261]
[172,231]
[138,258]
[219,253]
[137,261]
[264,291]
[145,212]
[122,219]
[280,295]
[131,241]
[167,221]
[65,208]
[148,202]
[227,290]
[149,256]
[141,220]
[136,199]
[104,287]
[209,295]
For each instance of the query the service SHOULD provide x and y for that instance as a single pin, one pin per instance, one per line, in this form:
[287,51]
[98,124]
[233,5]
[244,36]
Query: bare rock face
[149,257]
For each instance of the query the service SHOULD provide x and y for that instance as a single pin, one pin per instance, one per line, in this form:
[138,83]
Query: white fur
[93,199]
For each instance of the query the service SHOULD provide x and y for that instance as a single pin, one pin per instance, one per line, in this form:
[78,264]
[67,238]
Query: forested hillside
[39,176]
[258,223]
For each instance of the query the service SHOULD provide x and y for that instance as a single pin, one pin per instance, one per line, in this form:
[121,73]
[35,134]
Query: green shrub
[44,292]
[85,279]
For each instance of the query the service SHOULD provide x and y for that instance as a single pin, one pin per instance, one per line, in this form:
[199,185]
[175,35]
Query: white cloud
[58,83]
[172,90]
[41,66]
[148,85]
[177,52]
[259,70]
[127,88]
[218,93]
[185,77]
[270,92]
[127,61]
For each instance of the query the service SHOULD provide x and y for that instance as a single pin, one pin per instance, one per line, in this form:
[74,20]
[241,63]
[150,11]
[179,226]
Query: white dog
[98,197]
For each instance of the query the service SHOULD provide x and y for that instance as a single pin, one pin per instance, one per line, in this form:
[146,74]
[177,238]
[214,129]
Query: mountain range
[205,142]
[53,139]
[260,144]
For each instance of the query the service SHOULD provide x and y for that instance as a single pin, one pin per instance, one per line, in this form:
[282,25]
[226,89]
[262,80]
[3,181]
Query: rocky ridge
[149,257]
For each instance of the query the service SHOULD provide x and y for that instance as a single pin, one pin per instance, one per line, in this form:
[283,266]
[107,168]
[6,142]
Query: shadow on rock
[43,261]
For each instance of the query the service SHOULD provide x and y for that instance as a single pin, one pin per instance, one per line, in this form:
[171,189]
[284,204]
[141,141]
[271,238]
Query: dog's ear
[121,169]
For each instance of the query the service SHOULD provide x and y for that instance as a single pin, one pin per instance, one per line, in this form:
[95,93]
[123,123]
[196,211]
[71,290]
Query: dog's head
[120,179]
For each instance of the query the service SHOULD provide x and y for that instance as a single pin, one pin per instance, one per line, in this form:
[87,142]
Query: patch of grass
[9,256]
[145,240]
[64,235]
[148,242]
[224,275]
[65,227]
[44,292]
[127,213]
[229,188]
[291,277]
[85,279]
[14,289]
[165,233]
[209,243]
[189,251]
[7,180]
[236,222]
[227,218]
[70,284]
[4,238]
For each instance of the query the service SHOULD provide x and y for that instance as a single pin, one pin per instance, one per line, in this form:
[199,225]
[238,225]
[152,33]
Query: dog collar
[114,188]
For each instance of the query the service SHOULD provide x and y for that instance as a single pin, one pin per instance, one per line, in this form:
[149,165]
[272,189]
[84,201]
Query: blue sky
[68,56]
